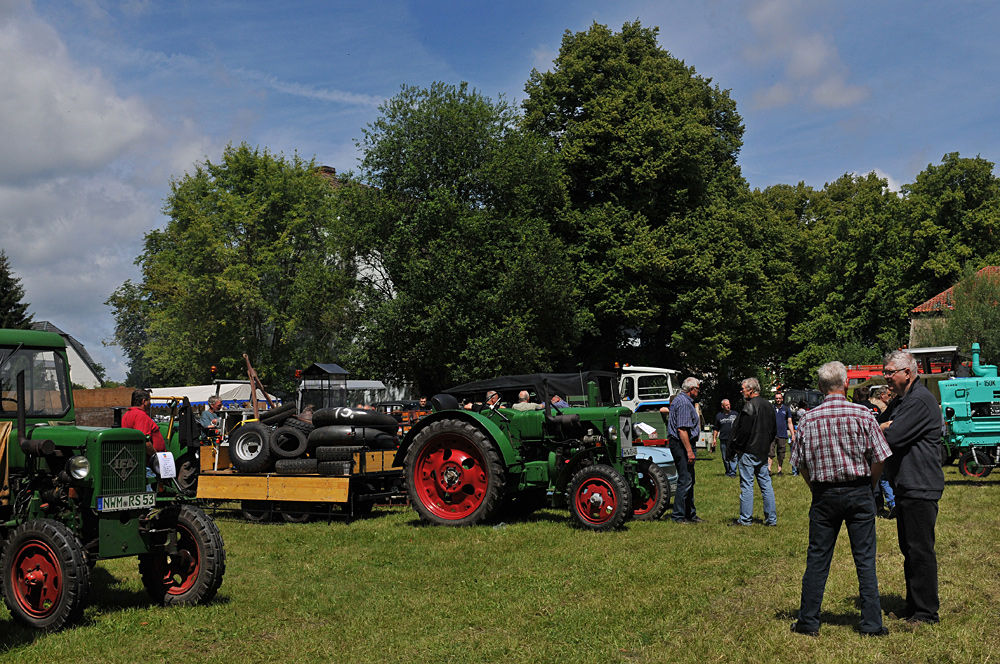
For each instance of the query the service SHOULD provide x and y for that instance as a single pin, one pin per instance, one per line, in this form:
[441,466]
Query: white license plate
[628,452]
[134,501]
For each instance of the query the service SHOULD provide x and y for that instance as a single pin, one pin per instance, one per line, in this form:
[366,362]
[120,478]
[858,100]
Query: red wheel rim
[36,579]
[450,477]
[179,572]
[596,500]
[646,482]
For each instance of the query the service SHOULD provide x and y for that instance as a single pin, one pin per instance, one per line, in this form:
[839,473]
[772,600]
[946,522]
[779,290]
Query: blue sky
[102,103]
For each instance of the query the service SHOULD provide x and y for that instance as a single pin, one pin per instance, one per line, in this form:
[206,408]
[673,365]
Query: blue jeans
[728,466]
[684,498]
[750,467]
[831,507]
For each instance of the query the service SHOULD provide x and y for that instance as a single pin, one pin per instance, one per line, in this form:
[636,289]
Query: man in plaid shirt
[840,452]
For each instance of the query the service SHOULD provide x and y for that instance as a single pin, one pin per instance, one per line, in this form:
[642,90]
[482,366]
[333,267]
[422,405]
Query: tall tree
[245,264]
[13,312]
[661,218]
[463,277]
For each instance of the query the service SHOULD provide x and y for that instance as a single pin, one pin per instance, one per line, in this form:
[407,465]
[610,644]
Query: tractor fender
[485,424]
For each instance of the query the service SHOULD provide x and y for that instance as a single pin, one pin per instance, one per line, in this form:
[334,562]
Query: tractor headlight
[78,467]
[612,434]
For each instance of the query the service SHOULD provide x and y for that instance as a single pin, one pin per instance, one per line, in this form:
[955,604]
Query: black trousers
[915,520]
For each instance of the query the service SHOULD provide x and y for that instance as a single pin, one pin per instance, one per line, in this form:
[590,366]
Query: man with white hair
[912,427]
[683,428]
[753,432]
[839,455]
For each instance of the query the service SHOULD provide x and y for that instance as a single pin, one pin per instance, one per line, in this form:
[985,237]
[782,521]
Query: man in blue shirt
[785,431]
[683,428]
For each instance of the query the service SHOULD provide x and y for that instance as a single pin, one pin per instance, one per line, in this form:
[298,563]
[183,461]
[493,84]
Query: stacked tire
[327,445]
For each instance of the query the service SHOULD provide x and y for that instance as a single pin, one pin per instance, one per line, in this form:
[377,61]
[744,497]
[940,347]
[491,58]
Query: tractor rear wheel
[973,463]
[194,573]
[45,575]
[453,474]
[599,498]
[654,480]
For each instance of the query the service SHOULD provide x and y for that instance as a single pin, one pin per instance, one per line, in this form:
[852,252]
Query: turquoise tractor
[72,496]
[971,408]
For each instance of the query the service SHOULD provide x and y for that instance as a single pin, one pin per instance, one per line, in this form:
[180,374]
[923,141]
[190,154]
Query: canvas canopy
[232,394]
[563,384]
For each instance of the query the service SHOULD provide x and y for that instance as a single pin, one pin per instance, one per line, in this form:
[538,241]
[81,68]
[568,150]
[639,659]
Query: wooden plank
[231,486]
[5,429]
[308,488]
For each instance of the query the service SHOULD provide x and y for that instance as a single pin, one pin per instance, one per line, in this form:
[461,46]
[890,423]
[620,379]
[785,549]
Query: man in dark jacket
[752,435]
[912,427]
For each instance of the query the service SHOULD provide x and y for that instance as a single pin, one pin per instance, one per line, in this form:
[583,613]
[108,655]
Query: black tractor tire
[369,419]
[276,416]
[257,511]
[655,481]
[335,468]
[343,434]
[301,425]
[453,474]
[192,575]
[973,463]
[345,453]
[599,498]
[250,448]
[46,579]
[288,443]
[296,466]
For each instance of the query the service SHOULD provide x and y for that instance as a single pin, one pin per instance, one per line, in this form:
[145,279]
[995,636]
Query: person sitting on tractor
[137,417]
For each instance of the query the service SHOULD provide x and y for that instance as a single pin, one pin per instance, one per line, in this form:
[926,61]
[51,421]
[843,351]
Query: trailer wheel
[654,480]
[453,474]
[45,575]
[973,463]
[599,498]
[250,449]
[194,573]
[295,512]
[288,443]
[257,511]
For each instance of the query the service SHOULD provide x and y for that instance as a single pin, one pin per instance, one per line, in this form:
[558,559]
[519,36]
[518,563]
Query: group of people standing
[841,450]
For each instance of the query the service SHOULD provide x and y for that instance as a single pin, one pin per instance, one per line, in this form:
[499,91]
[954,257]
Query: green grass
[387,590]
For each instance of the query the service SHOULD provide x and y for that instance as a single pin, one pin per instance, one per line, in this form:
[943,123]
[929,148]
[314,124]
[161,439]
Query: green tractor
[73,495]
[485,461]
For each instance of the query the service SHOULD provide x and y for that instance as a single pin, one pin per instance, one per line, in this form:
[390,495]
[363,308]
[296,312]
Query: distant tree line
[605,220]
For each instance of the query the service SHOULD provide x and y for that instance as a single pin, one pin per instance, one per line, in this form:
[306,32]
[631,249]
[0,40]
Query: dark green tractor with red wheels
[486,462]
[72,496]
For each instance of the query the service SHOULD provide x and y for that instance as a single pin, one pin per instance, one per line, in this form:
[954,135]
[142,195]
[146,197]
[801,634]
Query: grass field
[388,590]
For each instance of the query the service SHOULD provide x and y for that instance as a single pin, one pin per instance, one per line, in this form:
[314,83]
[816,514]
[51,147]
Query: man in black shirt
[723,428]
[912,427]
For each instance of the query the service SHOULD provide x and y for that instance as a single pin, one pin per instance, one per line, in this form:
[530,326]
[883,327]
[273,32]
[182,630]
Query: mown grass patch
[389,590]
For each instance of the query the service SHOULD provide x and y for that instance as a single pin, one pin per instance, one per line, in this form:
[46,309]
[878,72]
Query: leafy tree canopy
[244,265]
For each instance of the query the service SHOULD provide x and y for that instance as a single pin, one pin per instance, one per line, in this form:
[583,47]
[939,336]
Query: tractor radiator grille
[123,468]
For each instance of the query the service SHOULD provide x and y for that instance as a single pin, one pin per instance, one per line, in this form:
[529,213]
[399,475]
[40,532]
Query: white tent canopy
[231,393]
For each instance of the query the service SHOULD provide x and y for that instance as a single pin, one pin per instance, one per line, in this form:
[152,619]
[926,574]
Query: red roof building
[923,316]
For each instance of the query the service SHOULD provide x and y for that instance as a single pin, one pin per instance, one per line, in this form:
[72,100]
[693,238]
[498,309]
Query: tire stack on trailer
[283,443]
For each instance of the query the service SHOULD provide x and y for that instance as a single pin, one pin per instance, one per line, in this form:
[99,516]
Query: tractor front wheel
[453,474]
[657,486]
[45,575]
[973,463]
[599,498]
[193,573]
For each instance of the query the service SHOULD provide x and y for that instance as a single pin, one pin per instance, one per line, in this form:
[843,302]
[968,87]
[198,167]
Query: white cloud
[813,70]
[543,58]
[57,116]
[307,91]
